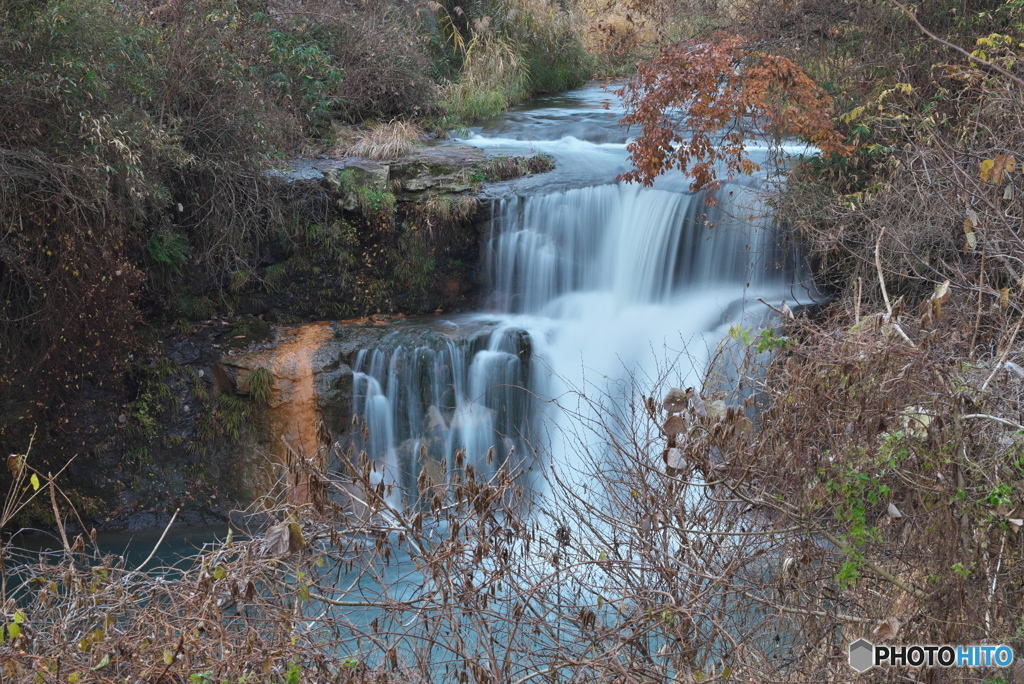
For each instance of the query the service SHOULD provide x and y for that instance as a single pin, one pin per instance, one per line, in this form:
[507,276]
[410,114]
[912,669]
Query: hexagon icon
[862,655]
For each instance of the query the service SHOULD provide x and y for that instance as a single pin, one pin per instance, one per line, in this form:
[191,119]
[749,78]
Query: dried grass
[447,209]
[386,141]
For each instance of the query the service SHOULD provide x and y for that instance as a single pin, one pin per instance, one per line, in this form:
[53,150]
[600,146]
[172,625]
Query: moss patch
[246,331]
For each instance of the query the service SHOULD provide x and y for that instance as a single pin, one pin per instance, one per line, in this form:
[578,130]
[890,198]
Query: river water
[597,290]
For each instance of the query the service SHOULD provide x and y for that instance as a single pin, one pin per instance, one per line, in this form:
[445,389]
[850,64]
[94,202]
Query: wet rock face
[303,381]
[245,332]
[357,175]
[426,173]
[361,237]
[357,237]
[309,405]
[188,431]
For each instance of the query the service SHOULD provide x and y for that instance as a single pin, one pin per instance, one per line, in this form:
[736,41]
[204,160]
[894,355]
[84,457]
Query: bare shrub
[943,216]
[121,141]
[842,476]
[878,450]
[379,48]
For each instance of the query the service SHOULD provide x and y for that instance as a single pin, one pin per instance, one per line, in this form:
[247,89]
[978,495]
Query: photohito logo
[864,655]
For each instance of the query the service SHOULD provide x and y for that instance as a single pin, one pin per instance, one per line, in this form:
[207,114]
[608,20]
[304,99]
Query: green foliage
[144,414]
[305,68]
[196,307]
[962,571]
[553,49]
[764,341]
[414,264]
[1000,495]
[275,276]
[230,417]
[153,399]
[493,78]
[169,249]
[336,240]
[376,202]
[742,334]
[856,494]
[261,383]
[768,341]
[373,202]
[238,280]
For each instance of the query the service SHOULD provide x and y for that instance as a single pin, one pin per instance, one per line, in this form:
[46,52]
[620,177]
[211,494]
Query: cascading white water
[637,244]
[437,401]
[589,286]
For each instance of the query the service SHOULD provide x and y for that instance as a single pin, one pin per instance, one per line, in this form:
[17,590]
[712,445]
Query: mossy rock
[435,171]
[246,331]
[358,176]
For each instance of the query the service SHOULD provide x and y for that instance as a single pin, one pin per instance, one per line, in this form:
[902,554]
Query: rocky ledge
[426,173]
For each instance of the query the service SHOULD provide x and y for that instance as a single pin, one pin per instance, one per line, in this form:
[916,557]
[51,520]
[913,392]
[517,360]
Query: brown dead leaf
[698,405]
[675,425]
[674,460]
[677,400]
[931,308]
[888,629]
[16,463]
[283,539]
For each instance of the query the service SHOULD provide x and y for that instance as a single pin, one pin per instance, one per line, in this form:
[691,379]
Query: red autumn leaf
[700,102]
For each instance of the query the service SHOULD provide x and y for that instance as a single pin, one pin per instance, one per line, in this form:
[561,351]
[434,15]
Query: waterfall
[641,245]
[589,287]
[436,403]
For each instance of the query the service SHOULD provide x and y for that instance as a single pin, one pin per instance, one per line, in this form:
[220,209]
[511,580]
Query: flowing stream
[595,286]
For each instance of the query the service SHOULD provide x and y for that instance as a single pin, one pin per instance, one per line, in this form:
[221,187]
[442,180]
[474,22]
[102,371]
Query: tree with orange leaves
[698,104]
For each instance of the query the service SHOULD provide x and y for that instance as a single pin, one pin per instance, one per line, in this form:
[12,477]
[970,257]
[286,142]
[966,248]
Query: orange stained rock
[298,421]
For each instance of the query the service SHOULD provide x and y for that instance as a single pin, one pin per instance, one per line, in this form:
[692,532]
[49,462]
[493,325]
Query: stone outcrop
[188,433]
[304,381]
[428,172]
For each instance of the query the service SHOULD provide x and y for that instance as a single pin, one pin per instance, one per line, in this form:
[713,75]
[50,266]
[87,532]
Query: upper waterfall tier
[639,245]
